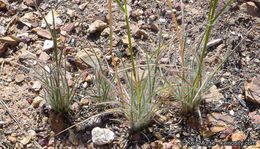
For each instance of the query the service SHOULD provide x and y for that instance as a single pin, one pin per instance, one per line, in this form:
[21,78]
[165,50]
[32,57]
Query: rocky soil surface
[230,111]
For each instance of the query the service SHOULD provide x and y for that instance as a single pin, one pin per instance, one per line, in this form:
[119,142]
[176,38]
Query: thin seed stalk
[132,56]
[111,47]
[180,42]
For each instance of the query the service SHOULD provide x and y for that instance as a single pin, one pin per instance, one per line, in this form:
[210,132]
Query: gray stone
[85,60]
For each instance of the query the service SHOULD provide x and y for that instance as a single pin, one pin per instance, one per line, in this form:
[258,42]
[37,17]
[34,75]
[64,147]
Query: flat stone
[251,8]
[71,13]
[26,140]
[105,32]
[137,13]
[31,3]
[140,33]
[19,78]
[97,26]
[154,27]
[43,33]
[69,27]
[83,6]
[238,136]
[37,101]
[84,60]
[212,95]
[44,57]
[252,90]
[12,139]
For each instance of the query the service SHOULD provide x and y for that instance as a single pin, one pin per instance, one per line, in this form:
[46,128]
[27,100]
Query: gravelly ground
[19,116]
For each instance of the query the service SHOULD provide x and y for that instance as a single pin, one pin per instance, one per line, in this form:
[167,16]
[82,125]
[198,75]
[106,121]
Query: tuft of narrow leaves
[57,91]
[193,80]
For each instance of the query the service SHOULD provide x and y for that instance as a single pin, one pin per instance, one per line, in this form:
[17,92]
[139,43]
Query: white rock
[48,44]
[214,43]
[32,133]
[71,13]
[97,26]
[2,30]
[231,112]
[36,86]
[101,136]
[162,20]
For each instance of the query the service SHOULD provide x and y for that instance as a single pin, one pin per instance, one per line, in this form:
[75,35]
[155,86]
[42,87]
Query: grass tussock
[193,80]
[57,91]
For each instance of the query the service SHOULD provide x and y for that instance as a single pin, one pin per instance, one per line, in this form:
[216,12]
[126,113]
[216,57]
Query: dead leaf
[42,33]
[252,89]
[72,138]
[10,39]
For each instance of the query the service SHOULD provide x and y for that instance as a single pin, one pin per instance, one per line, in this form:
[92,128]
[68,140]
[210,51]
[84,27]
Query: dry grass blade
[11,114]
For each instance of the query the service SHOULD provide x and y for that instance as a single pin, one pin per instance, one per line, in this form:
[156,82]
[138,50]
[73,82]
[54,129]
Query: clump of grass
[193,80]
[57,91]
[102,90]
[138,97]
